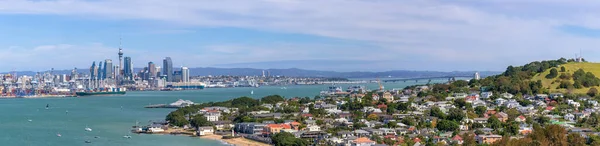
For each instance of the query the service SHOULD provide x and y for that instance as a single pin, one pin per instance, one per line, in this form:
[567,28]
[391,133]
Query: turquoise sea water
[111,117]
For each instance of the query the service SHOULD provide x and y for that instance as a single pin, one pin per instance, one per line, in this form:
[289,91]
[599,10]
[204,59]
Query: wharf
[161,106]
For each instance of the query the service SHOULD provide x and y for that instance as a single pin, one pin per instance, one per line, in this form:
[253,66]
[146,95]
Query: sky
[336,35]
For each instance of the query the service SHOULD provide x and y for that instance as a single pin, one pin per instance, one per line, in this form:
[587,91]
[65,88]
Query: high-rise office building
[128,69]
[93,71]
[185,74]
[100,71]
[177,76]
[151,70]
[108,69]
[168,69]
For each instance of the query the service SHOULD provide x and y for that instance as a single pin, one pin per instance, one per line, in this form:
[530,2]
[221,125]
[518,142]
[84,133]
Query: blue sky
[339,35]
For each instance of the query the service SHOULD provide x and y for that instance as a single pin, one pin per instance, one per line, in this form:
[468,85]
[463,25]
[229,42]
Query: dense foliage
[287,139]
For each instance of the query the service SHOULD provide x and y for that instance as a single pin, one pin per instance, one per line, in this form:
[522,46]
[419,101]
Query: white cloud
[473,33]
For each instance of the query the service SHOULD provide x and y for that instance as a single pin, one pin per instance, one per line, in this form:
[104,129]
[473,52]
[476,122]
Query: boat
[126,136]
[87,141]
[283,88]
[88,128]
[58,135]
[102,91]
[29,120]
[252,92]
[47,106]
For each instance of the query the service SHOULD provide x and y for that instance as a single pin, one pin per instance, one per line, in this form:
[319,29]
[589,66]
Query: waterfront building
[128,69]
[168,69]
[185,74]
[108,69]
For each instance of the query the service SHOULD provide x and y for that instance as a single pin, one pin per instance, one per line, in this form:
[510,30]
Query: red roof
[457,138]
[549,108]
[416,139]
[381,106]
[307,115]
[522,117]
[363,140]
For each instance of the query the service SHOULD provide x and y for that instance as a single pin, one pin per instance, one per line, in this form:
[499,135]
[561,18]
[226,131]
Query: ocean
[26,122]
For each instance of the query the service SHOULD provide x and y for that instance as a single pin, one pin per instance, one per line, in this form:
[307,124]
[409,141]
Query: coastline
[234,141]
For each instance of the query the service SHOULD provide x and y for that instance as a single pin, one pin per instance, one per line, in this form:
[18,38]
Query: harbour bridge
[448,78]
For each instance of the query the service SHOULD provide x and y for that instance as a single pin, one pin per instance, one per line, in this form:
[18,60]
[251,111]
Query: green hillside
[570,69]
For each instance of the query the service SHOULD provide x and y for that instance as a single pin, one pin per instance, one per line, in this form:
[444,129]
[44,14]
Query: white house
[486,95]
[569,117]
[205,131]
[212,116]
[500,101]
[507,95]
[314,128]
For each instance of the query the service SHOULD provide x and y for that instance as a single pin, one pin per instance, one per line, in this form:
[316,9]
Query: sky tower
[118,72]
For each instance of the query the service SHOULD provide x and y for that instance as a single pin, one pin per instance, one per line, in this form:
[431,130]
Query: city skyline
[362,36]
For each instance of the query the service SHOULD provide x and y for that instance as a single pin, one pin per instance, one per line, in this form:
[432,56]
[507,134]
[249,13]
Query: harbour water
[28,122]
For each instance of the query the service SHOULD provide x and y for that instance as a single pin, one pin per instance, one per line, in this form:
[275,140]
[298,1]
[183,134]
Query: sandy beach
[235,141]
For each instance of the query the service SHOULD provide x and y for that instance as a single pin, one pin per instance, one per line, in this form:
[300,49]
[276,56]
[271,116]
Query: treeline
[244,104]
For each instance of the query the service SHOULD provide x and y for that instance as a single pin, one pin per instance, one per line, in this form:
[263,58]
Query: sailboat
[88,128]
[47,106]
[252,92]
[58,135]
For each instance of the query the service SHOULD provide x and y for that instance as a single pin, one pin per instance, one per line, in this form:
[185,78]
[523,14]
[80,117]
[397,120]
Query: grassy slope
[570,68]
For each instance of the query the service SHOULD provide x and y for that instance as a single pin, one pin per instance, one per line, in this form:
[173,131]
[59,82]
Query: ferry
[102,91]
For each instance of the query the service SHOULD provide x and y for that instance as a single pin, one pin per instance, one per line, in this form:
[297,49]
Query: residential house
[569,117]
[388,96]
[525,129]
[486,95]
[201,131]
[222,125]
[269,106]
[459,95]
[556,95]
[275,128]
[313,128]
[520,119]
[375,97]
[363,141]
[500,101]
[480,120]
[487,139]
[507,95]
[502,116]
[541,96]
[250,128]
[457,139]
[212,116]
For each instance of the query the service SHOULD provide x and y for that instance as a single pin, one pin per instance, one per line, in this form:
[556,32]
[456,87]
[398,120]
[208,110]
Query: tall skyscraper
[168,69]
[93,70]
[128,68]
[108,69]
[185,74]
[151,70]
[100,71]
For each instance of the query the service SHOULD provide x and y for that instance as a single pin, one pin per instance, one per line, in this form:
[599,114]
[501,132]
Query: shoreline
[234,141]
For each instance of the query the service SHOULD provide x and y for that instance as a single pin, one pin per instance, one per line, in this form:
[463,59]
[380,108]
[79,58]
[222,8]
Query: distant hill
[295,72]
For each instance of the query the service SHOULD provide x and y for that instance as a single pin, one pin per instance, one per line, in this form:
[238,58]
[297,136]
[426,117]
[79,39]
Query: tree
[480,110]
[563,69]
[436,112]
[592,92]
[287,139]
[553,74]
[575,139]
[447,125]
[456,114]
[372,117]
[272,99]
[177,119]
[200,121]
[460,103]
[244,102]
[494,123]
[469,139]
